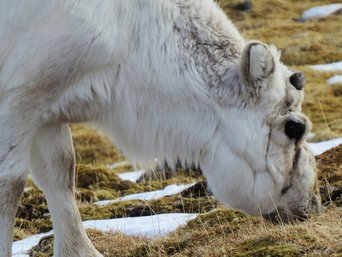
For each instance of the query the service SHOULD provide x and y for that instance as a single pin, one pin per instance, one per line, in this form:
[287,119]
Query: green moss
[266,247]
[305,235]
[217,216]
[163,248]
[96,182]
[136,208]
[96,176]
[43,249]
[87,195]
[103,194]
[92,211]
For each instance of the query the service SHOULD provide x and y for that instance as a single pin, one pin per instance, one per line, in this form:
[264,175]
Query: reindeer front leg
[53,169]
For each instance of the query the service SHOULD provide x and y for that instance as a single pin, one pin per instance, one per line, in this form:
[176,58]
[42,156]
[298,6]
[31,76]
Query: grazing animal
[166,79]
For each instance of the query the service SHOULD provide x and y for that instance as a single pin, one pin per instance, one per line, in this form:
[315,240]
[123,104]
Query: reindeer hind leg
[13,175]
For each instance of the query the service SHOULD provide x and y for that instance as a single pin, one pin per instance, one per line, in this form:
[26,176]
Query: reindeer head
[261,162]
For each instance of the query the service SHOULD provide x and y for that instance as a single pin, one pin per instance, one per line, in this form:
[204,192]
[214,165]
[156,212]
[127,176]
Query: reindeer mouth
[281,216]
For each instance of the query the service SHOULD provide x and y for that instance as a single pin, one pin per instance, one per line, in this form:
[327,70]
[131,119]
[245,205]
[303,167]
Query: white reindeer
[171,79]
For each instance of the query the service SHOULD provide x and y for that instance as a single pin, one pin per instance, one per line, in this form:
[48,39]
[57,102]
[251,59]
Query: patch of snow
[334,66]
[148,226]
[132,175]
[169,190]
[321,11]
[118,165]
[20,248]
[335,79]
[320,147]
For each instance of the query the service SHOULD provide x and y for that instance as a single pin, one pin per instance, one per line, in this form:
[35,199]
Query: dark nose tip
[294,130]
[297,80]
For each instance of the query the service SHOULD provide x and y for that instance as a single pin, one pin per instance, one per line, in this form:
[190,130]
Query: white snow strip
[335,79]
[118,165]
[148,226]
[20,248]
[334,66]
[321,11]
[169,190]
[132,175]
[320,147]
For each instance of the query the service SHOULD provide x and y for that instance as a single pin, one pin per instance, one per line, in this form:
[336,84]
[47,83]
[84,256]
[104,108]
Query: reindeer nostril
[294,130]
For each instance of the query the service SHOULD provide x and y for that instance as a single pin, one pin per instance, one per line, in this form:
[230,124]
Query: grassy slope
[221,232]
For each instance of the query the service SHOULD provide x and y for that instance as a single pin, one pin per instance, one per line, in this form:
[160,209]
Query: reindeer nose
[294,129]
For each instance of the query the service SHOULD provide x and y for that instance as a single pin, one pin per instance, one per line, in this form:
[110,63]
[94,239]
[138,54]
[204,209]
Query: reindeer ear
[257,64]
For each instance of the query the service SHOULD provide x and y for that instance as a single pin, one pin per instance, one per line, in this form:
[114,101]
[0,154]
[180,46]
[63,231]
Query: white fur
[165,79]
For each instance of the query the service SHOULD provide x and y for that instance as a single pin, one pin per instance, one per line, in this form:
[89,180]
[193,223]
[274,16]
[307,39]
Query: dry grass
[302,43]
[220,232]
[228,233]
